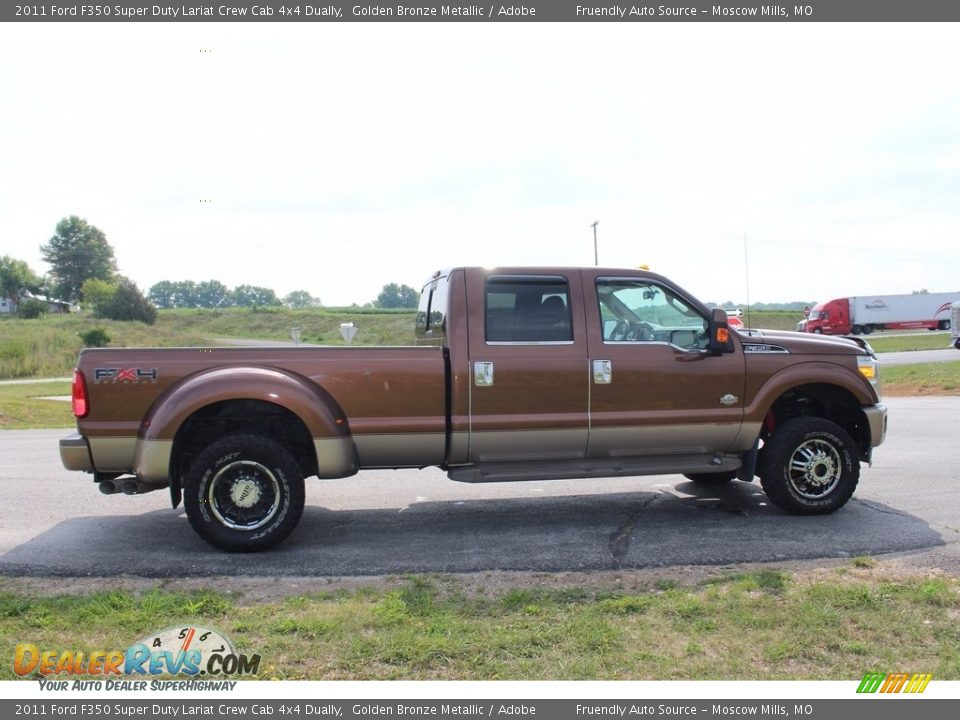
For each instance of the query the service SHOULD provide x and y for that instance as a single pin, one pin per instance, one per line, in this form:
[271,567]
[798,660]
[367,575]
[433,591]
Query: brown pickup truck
[518,374]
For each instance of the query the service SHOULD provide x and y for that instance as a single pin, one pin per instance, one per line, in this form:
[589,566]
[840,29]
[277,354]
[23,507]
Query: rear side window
[527,309]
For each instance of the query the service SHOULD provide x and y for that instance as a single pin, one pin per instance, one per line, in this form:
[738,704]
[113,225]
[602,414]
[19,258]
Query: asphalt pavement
[56,523]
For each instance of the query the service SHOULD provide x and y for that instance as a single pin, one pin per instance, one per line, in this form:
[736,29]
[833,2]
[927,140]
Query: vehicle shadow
[686,524]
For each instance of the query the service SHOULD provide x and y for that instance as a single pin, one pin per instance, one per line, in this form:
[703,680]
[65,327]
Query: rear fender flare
[317,410]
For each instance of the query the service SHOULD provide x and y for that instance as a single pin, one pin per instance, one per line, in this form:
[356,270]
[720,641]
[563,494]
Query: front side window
[642,311]
[527,309]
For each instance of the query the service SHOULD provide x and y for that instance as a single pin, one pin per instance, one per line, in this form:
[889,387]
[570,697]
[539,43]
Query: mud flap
[749,467]
[176,492]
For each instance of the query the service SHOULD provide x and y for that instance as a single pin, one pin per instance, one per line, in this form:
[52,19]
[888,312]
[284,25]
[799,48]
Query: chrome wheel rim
[244,495]
[814,469]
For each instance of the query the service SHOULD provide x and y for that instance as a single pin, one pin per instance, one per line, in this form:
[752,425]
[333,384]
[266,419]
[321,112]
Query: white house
[8,306]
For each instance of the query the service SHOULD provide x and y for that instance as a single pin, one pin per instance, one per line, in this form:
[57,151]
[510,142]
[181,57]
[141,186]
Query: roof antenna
[746,276]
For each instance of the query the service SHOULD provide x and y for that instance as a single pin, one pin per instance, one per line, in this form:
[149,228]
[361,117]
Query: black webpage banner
[520,11]
[360,709]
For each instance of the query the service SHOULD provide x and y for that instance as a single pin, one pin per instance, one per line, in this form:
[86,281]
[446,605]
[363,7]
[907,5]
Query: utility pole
[596,262]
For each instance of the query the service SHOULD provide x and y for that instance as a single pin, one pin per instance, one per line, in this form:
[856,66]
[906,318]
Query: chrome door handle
[483,374]
[602,372]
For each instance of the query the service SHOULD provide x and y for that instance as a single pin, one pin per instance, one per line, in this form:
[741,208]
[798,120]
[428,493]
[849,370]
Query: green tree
[213,294]
[397,296]
[185,294]
[128,303]
[161,294]
[16,278]
[77,252]
[253,296]
[300,299]
[97,294]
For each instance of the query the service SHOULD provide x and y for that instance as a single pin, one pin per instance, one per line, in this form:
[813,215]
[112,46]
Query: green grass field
[921,379]
[902,343]
[24,406]
[766,625]
[48,346]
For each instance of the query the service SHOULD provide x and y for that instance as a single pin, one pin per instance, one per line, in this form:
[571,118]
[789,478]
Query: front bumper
[75,453]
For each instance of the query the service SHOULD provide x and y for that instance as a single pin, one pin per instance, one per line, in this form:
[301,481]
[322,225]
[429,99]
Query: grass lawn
[22,406]
[901,343]
[921,379]
[832,624]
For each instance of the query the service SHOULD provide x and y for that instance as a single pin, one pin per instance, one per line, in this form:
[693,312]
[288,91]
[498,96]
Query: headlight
[870,369]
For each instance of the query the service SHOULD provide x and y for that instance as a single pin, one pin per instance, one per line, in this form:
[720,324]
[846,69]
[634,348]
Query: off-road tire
[244,493]
[810,466]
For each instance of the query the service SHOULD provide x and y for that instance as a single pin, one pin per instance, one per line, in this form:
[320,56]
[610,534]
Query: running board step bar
[597,468]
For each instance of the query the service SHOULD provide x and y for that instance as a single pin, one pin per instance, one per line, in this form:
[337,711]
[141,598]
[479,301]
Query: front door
[655,388]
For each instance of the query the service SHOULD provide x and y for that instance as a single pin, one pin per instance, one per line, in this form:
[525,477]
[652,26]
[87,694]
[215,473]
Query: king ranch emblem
[125,375]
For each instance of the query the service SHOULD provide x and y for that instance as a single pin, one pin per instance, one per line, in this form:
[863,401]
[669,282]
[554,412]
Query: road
[391,522]
[919,356]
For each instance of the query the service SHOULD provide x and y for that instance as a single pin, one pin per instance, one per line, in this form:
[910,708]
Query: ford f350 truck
[518,374]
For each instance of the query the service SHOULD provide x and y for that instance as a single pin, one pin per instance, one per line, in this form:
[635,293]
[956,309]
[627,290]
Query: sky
[765,161]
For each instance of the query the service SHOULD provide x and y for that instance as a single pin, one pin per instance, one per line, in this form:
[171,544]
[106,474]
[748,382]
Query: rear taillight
[79,394]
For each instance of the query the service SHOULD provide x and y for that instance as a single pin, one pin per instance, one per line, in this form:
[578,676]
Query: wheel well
[243,416]
[827,401]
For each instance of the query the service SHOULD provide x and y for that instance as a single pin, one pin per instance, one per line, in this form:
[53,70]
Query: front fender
[808,373]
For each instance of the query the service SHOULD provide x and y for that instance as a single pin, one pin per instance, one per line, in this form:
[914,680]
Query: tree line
[83,269]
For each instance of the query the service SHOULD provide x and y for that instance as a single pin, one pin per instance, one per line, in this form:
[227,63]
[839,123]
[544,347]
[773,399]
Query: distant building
[8,305]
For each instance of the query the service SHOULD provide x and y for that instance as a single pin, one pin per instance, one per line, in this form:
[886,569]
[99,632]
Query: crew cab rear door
[528,366]
[654,387]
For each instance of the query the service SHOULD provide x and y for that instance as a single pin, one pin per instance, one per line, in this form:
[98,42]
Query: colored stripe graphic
[871,682]
[894,682]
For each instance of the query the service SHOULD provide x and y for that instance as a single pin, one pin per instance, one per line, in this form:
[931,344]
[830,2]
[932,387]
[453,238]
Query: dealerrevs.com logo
[894,682]
[191,651]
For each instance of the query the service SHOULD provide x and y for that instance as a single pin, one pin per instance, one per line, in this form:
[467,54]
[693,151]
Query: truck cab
[829,318]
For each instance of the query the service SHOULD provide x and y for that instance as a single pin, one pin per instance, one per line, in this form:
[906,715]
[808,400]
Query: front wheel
[810,466]
[244,493]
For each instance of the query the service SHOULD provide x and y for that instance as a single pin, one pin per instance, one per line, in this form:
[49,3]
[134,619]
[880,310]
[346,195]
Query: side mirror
[721,337]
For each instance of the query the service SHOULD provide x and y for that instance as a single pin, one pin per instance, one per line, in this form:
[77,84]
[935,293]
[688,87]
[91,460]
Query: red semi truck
[867,313]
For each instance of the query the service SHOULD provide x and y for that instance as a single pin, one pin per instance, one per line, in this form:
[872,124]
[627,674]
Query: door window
[528,309]
[642,311]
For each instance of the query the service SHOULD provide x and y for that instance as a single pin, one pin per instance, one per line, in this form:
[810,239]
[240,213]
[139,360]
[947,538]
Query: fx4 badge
[132,375]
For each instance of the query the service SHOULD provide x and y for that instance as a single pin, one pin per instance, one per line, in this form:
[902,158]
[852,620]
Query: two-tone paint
[483,410]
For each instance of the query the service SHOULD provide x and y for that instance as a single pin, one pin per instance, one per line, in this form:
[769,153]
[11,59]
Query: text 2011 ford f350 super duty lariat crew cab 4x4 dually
[519,374]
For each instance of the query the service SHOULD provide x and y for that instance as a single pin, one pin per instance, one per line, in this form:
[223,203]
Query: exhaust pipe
[107,487]
[128,486]
[135,487]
